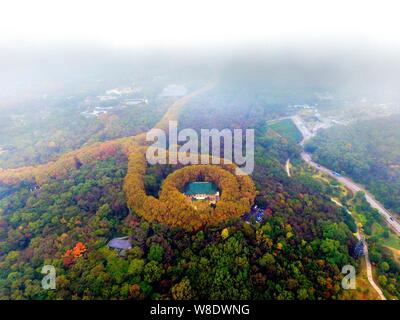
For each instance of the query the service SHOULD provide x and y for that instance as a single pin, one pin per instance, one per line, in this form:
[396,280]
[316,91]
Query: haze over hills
[42,83]
[116,100]
[63,71]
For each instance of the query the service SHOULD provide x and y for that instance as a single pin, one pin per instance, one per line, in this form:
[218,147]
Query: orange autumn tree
[237,193]
[64,164]
[72,254]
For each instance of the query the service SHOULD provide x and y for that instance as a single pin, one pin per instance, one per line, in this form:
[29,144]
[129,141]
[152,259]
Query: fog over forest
[30,72]
[296,104]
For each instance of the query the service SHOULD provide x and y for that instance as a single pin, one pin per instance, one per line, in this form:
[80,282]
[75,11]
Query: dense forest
[367,151]
[295,252]
[64,214]
[380,242]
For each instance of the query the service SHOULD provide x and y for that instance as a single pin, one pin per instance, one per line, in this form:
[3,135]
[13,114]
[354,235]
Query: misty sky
[53,44]
[169,23]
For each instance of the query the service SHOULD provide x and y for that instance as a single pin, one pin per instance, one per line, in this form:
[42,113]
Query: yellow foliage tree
[225,233]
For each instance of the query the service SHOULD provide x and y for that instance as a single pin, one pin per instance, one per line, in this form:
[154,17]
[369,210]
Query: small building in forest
[120,244]
[207,191]
[359,249]
[256,214]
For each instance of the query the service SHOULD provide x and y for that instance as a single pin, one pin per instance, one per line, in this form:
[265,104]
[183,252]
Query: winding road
[366,256]
[350,184]
[288,167]
[354,187]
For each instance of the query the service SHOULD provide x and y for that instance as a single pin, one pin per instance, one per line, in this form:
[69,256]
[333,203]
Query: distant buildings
[106,98]
[174,90]
[302,106]
[123,91]
[96,111]
[112,99]
[134,102]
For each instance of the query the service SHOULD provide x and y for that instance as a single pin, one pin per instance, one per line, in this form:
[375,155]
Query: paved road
[350,184]
[369,274]
[366,256]
[307,134]
[288,167]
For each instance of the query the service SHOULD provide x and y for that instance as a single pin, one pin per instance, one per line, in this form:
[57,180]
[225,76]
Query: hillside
[367,151]
[294,253]
[64,213]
